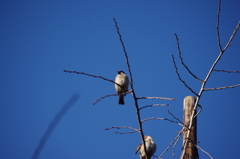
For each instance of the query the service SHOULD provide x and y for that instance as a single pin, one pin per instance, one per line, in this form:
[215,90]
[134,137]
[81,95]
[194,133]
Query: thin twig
[180,56]
[232,36]
[220,88]
[173,141]
[127,127]
[124,50]
[175,117]
[226,71]
[217,27]
[199,110]
[154,105]
[130,132]
[156,98]
[152,118]
[109,95]
[174,145]
[179,121]
[203,151]
[176,69]
[83,73]
[123,127]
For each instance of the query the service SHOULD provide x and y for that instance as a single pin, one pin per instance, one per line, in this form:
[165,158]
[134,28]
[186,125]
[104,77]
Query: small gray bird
[122,80]
[150,148]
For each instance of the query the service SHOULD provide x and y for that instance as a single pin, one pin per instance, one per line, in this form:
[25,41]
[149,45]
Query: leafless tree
[203,81]
[185,127]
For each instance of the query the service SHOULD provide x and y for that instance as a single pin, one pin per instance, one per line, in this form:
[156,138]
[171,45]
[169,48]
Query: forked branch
[179,77]
[221,51]
[174,141]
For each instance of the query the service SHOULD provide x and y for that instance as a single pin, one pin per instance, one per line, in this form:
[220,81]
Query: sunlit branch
[199,110]
[154,105]
[175,144]
[156,98]
[220,88]
[153,118]
[232,36]
[209,73]
[173,141]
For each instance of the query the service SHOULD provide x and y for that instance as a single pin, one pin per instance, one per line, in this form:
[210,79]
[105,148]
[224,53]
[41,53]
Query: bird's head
[120,72]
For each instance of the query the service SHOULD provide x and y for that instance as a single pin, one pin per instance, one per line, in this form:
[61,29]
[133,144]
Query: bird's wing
[137,149]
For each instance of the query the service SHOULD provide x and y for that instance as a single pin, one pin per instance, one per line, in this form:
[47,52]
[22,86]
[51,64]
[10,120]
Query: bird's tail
[121,100]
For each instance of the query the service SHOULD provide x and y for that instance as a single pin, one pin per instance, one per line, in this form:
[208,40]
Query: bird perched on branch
[123,81]
[150,148]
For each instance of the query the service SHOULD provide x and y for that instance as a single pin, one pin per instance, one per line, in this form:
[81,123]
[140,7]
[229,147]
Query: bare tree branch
[174,145]
[232,36]
[180,56]
[220,88]
[209,73]
[123,127]
[226,71]
[131,85]
[124,50]
[173,141]
[152,118]
[175,117]
[176,69]
[110,96]
[92,76]
[199,110]
[156,98]
[154,105]
[101,78]
[179,121]
[129,132]
[217,27]
[203,151]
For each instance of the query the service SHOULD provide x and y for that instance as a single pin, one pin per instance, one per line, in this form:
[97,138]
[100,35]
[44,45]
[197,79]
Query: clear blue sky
[39,39]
